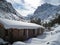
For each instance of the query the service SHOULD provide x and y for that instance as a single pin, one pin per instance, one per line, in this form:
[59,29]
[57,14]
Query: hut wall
[15,35]
[21,34]
[2,31]
[10,35]
[30,33]
[39,31]
[42,30]
[26,34]
[35,32]
[1,25]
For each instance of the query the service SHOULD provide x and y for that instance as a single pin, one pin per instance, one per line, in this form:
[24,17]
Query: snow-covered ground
[3,42]
[48,38]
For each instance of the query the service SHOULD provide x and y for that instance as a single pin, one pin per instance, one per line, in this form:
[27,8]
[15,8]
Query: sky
[25,7]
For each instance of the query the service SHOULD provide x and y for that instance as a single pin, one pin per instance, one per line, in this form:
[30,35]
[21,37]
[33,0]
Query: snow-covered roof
[18,24]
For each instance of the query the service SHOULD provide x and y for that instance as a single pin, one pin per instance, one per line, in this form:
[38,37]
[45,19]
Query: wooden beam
[27,33]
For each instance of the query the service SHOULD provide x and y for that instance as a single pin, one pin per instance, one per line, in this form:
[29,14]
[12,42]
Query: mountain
[45,11]
[7,11]
[43,7]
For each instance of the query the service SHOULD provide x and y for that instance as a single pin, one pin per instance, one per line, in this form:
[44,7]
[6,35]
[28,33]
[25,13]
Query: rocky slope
[7,11]
[45,11]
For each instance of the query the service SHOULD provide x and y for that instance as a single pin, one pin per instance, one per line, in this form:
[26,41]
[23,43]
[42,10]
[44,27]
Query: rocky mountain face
[45,11]
[7,11]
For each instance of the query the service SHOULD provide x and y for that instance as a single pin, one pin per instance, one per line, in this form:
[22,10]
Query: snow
[10,16]
[50,18]
[2,41]
[18,43]
[46,12]
[8,12]
[48,38]
[18,24]
[59,12]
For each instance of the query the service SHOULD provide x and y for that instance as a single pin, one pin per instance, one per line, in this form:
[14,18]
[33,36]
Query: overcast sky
[25,7]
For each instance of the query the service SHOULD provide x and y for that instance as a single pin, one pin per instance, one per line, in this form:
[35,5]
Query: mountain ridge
[7,10]
[44,11]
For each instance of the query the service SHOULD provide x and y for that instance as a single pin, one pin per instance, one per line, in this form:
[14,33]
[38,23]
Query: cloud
[25,12]
[25,7]
[32,3]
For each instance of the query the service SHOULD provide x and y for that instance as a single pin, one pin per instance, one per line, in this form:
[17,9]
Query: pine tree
[37,21]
